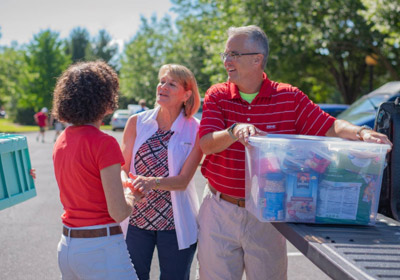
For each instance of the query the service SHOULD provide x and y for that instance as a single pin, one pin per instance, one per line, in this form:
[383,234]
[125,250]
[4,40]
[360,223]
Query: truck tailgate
[348,251]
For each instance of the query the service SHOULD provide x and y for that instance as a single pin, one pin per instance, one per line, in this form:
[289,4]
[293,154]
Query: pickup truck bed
[348,251]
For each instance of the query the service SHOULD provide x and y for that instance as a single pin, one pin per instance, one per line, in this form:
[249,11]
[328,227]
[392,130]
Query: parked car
[363,111]
[333,109]
[200,111]
[133,108]
[119,119]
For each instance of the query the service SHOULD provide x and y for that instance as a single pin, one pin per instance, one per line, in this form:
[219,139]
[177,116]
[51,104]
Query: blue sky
[21,19]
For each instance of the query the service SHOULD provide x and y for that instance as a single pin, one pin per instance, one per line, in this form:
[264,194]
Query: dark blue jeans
[174,264]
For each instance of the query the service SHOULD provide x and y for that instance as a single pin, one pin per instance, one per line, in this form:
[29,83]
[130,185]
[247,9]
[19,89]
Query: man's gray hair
[256,36]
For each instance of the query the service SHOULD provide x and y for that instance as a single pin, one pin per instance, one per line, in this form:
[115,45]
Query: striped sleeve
[310,118]
[212,118]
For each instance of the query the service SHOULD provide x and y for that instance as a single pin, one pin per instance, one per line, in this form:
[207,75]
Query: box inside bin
[311,179]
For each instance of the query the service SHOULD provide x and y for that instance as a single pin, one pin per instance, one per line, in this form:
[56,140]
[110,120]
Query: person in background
[41,120]
[142,103]
[58,126]
[161,150]
[87,164]
[231,239]
[2,113]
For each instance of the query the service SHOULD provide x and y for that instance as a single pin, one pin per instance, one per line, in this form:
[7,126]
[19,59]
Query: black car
[363,111]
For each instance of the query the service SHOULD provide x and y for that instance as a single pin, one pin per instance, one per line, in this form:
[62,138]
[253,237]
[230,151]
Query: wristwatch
[358,133]
[157,183]
[230,131]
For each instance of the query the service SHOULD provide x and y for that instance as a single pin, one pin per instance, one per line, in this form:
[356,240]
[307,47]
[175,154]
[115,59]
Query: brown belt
[237,201]
[90,233]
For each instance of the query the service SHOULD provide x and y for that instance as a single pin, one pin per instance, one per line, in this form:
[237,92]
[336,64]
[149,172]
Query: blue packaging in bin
[274,194]
[16,184]
[311,179]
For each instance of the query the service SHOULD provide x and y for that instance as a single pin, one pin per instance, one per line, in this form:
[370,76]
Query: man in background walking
[41,120]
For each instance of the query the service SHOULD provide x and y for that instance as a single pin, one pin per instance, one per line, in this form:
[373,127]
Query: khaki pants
[231,240]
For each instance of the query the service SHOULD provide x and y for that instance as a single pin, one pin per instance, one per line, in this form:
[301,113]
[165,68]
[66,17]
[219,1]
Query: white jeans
[232,240]
[95,258]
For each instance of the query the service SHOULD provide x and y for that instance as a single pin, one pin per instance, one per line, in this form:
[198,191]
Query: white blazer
[185,204]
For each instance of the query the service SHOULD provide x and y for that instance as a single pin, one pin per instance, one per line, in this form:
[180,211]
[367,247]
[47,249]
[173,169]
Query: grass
[105,127]
[8,126]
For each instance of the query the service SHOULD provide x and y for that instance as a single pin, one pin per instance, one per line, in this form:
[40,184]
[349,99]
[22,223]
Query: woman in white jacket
[161,149]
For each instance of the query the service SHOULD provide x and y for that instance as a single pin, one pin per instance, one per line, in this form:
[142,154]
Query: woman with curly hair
[161,148]
[87,164]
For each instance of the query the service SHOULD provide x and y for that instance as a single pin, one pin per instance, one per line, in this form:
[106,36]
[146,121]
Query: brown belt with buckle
[237,201]
[90,233]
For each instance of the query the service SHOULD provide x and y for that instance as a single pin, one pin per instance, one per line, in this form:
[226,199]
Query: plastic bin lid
[283,138]
[304,137]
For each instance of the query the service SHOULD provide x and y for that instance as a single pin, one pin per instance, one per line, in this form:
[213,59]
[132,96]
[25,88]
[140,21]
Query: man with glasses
[231,239]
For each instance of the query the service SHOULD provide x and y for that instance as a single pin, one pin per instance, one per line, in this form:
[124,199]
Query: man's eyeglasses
[234,55]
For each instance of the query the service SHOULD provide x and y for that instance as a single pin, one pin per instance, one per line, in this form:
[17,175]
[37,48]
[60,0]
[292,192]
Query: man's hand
[372,136]
[242,131]
[347,130]
[218,141]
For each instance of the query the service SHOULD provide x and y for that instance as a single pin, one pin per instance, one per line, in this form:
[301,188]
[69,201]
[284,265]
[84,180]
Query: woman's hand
[32,172]
[144,184]
[127,182]
[134,196]
[131,194]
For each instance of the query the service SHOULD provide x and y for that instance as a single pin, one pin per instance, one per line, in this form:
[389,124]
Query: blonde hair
[186,78]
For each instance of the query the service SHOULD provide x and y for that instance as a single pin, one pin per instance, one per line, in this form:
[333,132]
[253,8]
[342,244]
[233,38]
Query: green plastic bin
[16,184]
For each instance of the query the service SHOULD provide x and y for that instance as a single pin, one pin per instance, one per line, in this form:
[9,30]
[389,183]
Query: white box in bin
[312,179]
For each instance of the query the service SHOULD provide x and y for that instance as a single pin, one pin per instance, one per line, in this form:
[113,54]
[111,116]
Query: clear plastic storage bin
[311,179]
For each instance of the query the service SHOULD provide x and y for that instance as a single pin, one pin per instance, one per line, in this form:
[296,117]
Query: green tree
[77,44]
[319,46]
[189,47]
[339,40]
[14,77]
[143,57]
[202,35]
[46,60]
[103,48]
[384,17]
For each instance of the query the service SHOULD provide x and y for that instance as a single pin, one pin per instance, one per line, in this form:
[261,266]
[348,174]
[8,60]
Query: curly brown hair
[85,93]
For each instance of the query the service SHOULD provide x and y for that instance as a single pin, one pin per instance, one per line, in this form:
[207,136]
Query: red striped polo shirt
[278,108]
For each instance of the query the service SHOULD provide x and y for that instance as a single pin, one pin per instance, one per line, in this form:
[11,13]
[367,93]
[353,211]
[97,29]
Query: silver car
[119,119]
[363,111]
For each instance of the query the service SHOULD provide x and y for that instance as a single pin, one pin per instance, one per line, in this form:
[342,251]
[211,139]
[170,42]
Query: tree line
[318,46]
[28,73]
